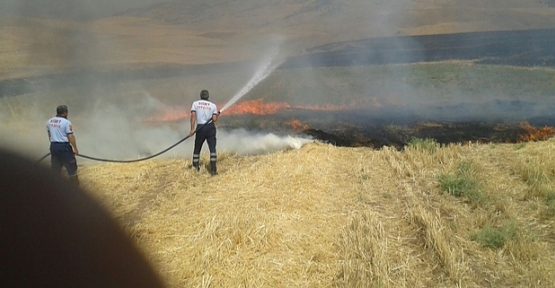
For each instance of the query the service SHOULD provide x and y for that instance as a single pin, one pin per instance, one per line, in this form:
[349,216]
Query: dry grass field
[325,216]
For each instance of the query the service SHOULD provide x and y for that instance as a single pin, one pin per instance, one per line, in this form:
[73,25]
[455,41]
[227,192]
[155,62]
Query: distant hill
[78,10]
[355,19]
[60,34]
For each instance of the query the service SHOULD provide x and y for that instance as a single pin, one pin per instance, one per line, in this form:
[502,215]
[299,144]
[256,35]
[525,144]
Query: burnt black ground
[522,48]
[396,127]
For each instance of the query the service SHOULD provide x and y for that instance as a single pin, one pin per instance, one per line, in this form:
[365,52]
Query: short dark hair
[204,94]
[61,109]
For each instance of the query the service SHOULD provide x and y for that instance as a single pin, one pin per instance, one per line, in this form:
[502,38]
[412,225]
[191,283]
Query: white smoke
[113,132]
[247,143]
[149,141]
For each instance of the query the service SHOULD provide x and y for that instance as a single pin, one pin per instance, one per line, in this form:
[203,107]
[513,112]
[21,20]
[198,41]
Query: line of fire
[374,125]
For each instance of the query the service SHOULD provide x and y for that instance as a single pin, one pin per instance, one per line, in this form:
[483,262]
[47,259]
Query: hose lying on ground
[134,160]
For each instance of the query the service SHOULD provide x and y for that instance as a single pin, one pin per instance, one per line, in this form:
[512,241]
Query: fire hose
[136,160]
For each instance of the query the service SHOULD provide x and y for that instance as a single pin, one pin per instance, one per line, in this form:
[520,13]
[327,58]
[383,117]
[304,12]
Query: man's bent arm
[73,143]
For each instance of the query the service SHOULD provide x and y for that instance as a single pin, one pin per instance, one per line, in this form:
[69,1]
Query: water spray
[262,73]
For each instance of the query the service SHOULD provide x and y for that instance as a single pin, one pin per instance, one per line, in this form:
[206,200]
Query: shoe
[213,169]
[197,167]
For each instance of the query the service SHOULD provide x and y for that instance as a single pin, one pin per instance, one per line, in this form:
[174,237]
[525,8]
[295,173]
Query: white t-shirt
[59,127]
[204,109]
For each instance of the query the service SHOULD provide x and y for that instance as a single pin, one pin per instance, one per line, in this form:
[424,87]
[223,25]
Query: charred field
[493,118]
[389,126]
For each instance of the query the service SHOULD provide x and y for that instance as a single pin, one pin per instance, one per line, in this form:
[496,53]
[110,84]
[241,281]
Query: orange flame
[296,125]
[257,107]
[535,134]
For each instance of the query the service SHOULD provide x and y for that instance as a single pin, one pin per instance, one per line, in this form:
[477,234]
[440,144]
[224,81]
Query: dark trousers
[205,133]
[61,155]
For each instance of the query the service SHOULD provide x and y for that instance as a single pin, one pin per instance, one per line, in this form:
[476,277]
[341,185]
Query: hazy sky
[70,9]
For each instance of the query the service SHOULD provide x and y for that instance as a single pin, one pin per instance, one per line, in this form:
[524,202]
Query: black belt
[60,142]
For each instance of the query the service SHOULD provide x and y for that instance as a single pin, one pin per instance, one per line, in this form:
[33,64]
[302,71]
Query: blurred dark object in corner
[54,235]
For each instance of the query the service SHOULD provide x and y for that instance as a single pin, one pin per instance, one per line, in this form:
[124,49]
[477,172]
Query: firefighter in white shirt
[203,112]
[63,146]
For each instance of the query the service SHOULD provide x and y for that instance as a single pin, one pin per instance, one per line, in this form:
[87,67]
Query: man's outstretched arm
[193,121]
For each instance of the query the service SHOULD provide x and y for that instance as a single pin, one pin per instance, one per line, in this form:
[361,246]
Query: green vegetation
[550,202]
[464,184]
[520,145]
[427,144]
[497,237]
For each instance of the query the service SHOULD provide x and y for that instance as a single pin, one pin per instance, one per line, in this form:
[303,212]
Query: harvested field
[327,216]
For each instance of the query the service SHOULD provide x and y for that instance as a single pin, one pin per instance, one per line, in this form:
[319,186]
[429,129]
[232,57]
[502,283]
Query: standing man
[203,112]
[63,147]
